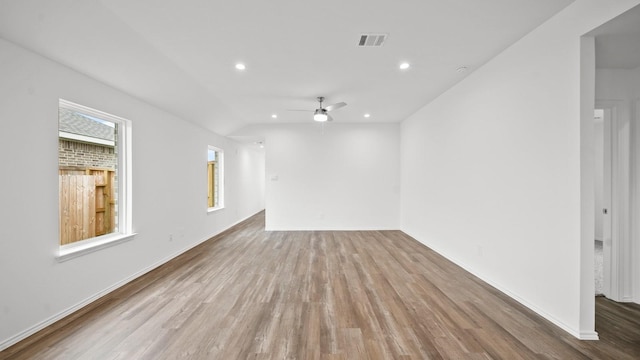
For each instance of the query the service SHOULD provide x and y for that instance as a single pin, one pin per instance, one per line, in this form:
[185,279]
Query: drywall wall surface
[169,192]
[342,177]
[491,170]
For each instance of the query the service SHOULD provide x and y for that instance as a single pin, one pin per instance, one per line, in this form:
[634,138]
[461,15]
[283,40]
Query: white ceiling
[180,55]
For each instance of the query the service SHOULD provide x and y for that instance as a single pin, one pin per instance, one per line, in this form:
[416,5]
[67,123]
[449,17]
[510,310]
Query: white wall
[346,177]
[169,192]
[491,170]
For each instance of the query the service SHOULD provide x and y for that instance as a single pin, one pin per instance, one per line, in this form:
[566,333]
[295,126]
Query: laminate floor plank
[325,295]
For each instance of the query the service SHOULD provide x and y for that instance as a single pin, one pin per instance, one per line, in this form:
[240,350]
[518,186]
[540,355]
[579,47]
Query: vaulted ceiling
[180,55]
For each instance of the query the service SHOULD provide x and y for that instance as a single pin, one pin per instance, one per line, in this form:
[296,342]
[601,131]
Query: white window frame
[220,160]
[124,181]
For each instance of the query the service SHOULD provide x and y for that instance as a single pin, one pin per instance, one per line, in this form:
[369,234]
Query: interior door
[606,204]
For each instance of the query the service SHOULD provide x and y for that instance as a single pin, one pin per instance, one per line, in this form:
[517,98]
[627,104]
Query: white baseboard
[589,336]
[537,310]
[59,316]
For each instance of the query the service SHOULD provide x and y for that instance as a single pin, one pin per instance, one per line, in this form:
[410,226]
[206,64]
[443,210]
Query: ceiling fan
[320,114]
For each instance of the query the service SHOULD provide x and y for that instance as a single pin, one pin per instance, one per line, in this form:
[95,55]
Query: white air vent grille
[372,40]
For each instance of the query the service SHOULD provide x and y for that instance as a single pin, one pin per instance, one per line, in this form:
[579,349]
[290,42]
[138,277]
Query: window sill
[71,251]
[214,209]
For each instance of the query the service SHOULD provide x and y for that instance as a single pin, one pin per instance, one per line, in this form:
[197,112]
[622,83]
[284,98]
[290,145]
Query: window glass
[215,179]
[91,149]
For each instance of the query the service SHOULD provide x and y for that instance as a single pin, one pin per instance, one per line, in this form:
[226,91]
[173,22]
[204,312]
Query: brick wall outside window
[77,154]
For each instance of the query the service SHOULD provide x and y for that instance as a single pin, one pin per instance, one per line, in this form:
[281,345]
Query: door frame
[634,224]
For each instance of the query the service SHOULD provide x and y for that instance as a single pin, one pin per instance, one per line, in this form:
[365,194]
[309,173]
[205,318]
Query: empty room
[205,179]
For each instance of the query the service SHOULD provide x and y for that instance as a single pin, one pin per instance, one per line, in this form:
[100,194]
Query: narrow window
[215,178]
[93,176]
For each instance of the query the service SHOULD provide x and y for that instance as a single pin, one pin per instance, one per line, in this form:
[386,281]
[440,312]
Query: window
[94,179]
[215,178]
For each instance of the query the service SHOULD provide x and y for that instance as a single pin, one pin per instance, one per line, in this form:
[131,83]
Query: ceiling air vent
[372,40]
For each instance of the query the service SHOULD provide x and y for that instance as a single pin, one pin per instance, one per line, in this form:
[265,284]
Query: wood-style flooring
[251,294]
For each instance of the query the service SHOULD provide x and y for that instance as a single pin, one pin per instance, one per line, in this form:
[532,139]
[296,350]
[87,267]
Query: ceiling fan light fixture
[320,115]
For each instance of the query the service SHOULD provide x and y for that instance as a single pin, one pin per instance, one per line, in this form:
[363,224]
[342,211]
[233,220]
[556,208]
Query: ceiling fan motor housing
[320,115]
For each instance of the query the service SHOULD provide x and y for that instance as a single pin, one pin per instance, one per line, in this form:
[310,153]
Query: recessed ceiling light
[404,66]
[367,115]
[240,66]
[274,116]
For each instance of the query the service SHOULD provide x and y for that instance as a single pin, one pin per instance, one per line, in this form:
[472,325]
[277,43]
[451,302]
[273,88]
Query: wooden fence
[87,203]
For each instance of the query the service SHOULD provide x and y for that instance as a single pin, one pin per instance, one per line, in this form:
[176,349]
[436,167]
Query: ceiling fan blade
[335,106]
[329,118]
